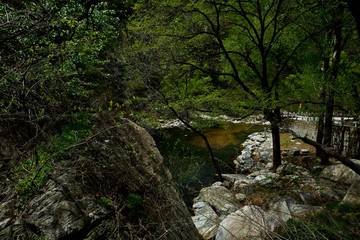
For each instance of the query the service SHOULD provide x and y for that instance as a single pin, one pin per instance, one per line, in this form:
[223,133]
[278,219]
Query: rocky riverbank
[256,203]
[253,120]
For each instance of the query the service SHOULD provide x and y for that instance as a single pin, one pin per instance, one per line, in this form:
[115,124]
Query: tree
[52,58]
[330,29]
[248,46]
[353,6]
[337,31]
[53,52]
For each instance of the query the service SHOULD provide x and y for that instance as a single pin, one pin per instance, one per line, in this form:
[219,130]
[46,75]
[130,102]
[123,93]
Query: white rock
[240,185]
[286,208]
[264,155]
[250,222]
[241,197]
[340,173]
[205,220]
[259,178]
[353,194]
[215,184]
[207,225]
[304,151]
[202,208]
[245,155]
[234,177]
[220,198]
[266,181]
[269,165]
[281,207]
[259,139]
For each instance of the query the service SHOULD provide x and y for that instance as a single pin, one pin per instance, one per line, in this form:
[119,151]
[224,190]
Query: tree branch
[329,151]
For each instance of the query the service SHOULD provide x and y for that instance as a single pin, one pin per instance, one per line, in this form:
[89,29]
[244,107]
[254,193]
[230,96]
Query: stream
[187,158]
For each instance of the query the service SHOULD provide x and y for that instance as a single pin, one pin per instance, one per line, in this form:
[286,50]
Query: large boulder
[291,172]
[219,197]
[285,207]
[64,209]
[353,194]
[281,207]
[339,173]
[115,187]
[206,220]
[248,223]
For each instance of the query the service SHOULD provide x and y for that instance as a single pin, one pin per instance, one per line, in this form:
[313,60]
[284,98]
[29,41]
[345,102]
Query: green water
[187,158]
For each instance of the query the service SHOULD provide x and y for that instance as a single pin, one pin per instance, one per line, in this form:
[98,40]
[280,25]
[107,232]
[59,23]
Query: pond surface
[187,158]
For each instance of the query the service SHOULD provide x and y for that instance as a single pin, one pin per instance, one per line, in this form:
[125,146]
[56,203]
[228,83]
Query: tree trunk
[320,125]
[328,126]
[276,145]
[320,134]
[274,117]
[331,92]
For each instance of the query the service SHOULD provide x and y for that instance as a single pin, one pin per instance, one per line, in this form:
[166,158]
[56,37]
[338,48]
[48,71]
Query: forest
[65,61]
[157,58]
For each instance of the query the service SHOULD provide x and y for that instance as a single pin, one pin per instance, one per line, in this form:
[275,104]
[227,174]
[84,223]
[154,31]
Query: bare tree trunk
[328,126]
[274,117]
[331,92]
[276,145]
[320,133]
[320,125]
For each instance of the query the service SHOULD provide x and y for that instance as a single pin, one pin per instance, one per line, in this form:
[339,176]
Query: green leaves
[55,51]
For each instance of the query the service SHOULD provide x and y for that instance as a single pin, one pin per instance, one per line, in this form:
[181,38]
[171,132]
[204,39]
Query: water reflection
[222,136]
[187,158]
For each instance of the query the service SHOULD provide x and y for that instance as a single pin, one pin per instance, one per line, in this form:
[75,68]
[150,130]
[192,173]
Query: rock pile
[256,153]
[221,211]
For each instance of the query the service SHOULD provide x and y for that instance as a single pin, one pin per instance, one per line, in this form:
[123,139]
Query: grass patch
[338,222]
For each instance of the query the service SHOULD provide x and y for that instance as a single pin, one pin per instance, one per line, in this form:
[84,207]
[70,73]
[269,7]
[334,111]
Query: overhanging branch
[331,152]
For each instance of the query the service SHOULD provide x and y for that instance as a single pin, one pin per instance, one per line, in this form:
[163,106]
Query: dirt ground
[287,141]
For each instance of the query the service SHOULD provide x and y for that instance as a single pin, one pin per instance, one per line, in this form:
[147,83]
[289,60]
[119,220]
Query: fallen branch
[331,152]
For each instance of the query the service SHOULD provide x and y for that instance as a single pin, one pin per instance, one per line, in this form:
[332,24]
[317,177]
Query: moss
[135,204]
[105,203]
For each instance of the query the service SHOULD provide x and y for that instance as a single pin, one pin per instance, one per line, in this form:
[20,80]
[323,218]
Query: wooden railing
[342,120]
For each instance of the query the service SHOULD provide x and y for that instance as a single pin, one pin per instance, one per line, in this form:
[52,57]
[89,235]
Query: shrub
[32,174]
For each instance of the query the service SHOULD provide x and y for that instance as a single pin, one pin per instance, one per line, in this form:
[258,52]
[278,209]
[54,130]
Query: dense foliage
[54,53]
[245,57]
[63,60]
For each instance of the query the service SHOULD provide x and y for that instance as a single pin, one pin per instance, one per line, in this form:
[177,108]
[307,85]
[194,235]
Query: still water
[187,158]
